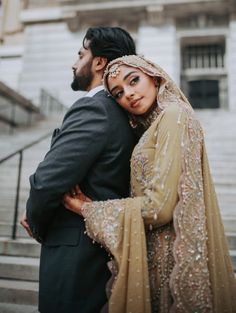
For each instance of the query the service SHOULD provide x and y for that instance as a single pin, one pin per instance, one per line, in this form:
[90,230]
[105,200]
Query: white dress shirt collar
[95,90]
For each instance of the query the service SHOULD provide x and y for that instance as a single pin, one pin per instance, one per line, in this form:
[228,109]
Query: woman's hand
[75,199]
[24,223]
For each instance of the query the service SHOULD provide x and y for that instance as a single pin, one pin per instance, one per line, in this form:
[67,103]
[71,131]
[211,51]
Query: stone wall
[160,45]
[50,51]
[11,65]
[231,64]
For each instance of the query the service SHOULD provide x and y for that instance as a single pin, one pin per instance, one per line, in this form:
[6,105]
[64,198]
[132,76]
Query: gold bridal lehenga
[167,239]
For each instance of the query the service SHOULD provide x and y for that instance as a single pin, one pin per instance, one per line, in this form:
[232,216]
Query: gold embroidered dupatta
[179,188]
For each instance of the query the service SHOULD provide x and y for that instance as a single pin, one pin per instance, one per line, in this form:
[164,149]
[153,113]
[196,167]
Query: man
[92,149]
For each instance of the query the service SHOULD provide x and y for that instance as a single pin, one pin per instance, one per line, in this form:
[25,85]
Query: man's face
[82,70]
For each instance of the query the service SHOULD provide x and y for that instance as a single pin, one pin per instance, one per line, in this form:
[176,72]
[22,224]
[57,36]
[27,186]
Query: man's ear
[100,63]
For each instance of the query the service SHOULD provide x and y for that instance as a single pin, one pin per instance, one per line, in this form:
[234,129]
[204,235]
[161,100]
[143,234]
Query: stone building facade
[193,40]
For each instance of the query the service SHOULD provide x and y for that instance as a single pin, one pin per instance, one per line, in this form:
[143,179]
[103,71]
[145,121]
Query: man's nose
[75,65]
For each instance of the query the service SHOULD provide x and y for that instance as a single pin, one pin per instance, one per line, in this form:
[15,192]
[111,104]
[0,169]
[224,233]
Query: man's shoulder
[101,96]
[99,104]
[104,97]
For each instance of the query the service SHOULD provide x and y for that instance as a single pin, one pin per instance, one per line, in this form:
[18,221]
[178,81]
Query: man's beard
[82,81]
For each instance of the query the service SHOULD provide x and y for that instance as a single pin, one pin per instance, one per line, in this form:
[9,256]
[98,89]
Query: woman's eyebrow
[125,77]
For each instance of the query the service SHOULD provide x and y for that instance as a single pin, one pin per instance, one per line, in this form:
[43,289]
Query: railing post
[12,117]
[17,196]
[29,119]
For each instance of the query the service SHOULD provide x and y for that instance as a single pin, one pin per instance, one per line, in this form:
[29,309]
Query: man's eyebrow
[125,77]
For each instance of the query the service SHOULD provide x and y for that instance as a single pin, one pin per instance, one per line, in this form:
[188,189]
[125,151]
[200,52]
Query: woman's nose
[129,92]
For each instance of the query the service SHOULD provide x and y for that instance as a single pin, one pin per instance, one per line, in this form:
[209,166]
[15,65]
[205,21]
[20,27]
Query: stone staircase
[16,110]
[19,258]
[220,136]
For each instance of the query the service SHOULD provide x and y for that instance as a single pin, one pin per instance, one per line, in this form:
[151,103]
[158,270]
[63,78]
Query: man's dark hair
[109,42]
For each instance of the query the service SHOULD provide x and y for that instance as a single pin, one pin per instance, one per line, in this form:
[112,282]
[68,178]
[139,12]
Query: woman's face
[134,90]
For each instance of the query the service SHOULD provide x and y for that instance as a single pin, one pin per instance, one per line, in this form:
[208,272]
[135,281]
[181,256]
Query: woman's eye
[118,95]
[134,80]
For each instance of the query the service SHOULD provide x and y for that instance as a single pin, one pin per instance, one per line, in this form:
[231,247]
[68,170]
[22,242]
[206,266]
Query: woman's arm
[103,218]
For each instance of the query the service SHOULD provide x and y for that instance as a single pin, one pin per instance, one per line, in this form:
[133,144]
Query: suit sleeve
[70,157]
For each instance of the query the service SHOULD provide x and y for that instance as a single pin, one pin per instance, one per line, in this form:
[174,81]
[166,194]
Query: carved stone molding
[130,19]
[155,15]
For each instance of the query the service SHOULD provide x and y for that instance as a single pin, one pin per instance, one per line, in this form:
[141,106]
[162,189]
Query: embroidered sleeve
[161,196]
[104,220]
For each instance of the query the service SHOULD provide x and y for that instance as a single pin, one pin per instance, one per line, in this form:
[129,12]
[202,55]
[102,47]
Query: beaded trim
[114,70]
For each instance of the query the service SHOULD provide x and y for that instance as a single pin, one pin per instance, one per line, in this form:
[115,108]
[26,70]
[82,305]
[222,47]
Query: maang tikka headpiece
[114,70]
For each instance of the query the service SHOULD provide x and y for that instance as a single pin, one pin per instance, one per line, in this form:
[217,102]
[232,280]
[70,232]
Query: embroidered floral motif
[160,265]
[105,230]
[190,272]
[140,165]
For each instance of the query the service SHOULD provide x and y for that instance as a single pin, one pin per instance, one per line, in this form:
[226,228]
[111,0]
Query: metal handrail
[17,98]
[20,152]
[49,103]
[8,121]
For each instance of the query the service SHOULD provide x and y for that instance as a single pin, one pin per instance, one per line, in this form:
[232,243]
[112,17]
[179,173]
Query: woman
[167,240]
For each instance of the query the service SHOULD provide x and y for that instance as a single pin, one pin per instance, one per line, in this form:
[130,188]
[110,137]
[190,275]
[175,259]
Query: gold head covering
[149,68]
[178,191]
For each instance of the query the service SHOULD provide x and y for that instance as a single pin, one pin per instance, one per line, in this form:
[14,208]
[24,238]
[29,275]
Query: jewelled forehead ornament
[114,71]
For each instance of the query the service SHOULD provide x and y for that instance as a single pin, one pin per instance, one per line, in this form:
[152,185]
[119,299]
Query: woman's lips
[135,103]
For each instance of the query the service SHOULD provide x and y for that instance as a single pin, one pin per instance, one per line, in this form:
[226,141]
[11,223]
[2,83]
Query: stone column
[159,44]
[10,22]
[231,64]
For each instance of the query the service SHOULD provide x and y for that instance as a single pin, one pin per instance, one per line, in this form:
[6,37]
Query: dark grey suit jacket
[93,149]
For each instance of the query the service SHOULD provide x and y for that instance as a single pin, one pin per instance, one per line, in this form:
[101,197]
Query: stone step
[229,224]
[229,221]
[231,239]
[215,156]
[229,210]
[19,268]
[225,180]
[223,168]
[17,308]
[10,143]
[25,293]
[24,247]
[227,197]
[233,259]
[18,292]
[6,230]
[225,189]
[29,248]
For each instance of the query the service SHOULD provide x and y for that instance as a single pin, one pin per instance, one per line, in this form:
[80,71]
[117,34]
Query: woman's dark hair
[109,42]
